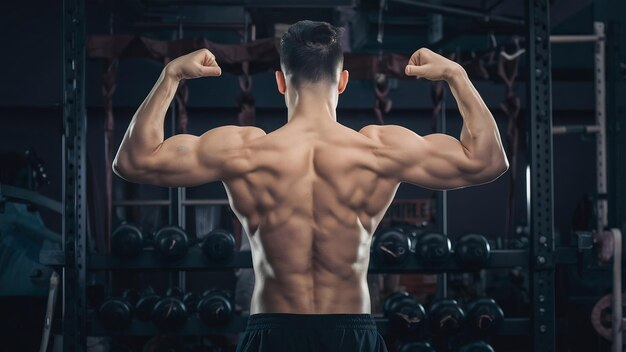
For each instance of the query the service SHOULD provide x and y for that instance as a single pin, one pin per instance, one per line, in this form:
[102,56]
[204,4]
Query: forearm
[479,135]
[145,131]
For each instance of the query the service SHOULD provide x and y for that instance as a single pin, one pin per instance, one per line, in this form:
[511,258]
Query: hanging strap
[109,85]
[508,68]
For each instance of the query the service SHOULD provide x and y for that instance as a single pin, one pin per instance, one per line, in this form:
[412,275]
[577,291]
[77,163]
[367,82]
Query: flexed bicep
[144,156]
[440,161]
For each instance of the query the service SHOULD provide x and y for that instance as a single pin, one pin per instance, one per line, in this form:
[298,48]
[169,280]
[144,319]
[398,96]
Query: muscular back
[310,200]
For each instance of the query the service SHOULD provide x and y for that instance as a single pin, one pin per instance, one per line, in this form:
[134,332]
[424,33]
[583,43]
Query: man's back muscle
[310,200]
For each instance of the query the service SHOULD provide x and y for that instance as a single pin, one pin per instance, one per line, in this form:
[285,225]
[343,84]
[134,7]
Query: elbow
[502,165]
[126,170]
[504,162]
[120,169]
[498,167]
[489,169]
[493,169]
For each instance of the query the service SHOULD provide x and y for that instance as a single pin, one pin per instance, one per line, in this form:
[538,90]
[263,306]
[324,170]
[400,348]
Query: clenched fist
[200,63]
[432,66]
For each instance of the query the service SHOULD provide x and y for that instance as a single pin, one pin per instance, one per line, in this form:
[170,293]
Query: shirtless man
[311,193]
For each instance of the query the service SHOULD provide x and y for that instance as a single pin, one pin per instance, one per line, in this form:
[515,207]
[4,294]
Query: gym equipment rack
[541,212]
[74,187]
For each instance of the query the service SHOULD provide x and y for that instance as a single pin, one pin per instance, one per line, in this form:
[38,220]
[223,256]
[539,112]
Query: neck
[312,104]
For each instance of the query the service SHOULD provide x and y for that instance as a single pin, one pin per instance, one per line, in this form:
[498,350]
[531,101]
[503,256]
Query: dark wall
[31,54]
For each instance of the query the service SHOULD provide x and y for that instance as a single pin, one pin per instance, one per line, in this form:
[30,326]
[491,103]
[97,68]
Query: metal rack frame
[195,260]
[74,187]
[600,89]
[599,127]
[539,107]
[616,108]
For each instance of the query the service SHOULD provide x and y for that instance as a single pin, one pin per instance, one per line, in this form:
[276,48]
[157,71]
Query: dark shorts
[311,332]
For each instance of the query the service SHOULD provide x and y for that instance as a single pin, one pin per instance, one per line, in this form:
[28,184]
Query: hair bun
[322,34]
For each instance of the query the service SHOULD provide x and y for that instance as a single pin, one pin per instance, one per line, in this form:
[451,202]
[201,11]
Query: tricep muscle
[435,161]
[186,160]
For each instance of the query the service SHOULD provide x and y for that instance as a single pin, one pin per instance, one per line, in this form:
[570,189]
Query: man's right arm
[439,161]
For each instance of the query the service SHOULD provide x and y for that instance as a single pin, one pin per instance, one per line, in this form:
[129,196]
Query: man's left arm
[181,160]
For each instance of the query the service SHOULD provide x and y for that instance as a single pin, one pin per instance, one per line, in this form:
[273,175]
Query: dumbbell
[478,346]
[416,347]
[472,250]
[126,241]
[445,318]
[484,316]
[219,245]
[174,291]
[405,314]
[171,242]
[131,295]
[432,248]
[170,312]
[145,304]
[191,300]
[116,313]
[215,307]
[391,246]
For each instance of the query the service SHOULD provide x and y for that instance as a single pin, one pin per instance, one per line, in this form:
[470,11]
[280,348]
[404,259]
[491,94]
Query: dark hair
[311,51]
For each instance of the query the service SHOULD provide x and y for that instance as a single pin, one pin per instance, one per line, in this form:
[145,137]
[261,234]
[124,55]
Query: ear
[343,81]
[280,82]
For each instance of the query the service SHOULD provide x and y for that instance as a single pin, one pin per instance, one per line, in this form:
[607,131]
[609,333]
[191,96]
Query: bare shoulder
[243,132]
[251,132]
[232,136]
[388,134]
[370,131]
[227,148]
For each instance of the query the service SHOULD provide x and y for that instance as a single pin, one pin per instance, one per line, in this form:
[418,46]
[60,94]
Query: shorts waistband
[261,321]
